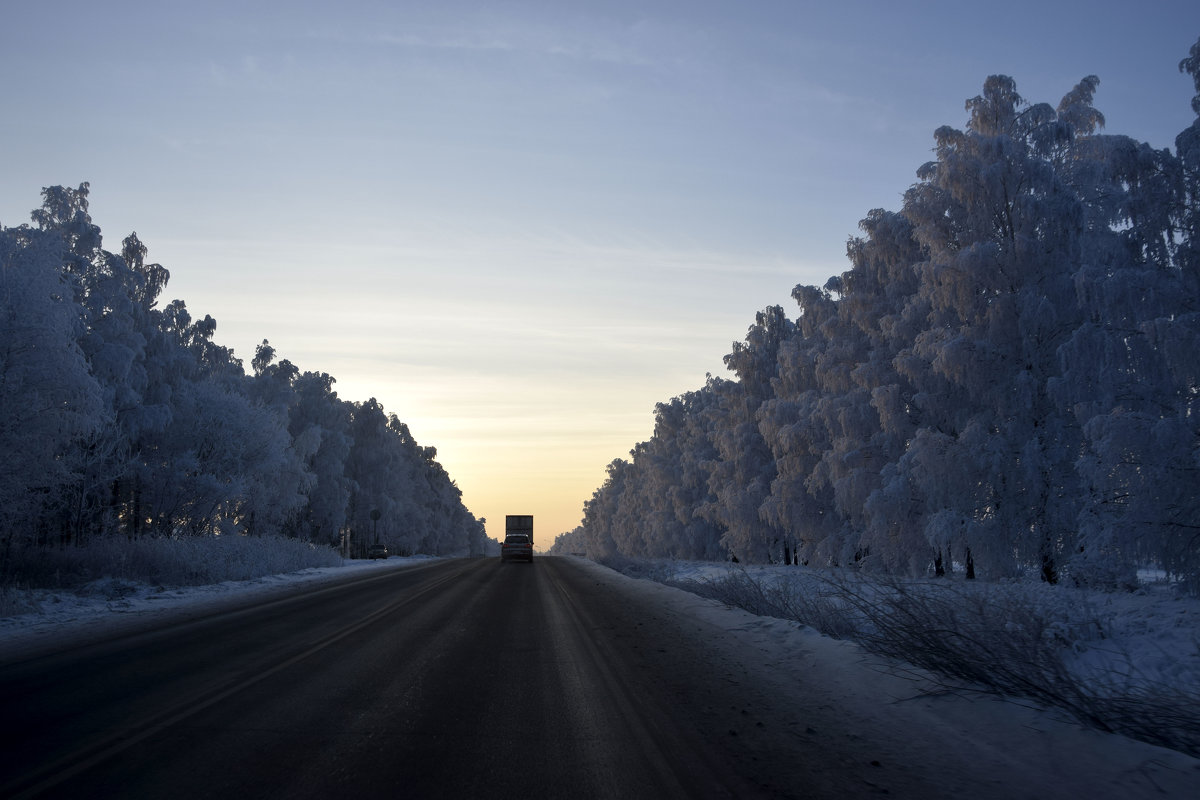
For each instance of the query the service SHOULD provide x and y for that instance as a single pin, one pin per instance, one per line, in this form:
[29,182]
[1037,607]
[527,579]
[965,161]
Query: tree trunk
[1049,571]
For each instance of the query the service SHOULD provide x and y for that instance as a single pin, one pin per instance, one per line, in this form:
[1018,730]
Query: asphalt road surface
[458,679]
[475,679]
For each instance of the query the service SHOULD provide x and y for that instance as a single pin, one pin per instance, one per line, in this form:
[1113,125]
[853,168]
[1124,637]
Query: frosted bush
[14,601]
[1100,657]
[178,561]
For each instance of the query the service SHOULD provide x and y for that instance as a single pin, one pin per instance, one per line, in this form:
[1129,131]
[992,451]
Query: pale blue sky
[520,225]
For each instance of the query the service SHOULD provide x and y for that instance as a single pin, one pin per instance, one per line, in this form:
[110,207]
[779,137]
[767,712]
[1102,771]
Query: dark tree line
[1004,382]
[119,417]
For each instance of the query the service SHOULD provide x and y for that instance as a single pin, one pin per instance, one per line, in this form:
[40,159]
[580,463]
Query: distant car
[516,546]
[377,551]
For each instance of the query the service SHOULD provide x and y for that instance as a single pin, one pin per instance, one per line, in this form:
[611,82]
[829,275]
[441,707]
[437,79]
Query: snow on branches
[1004,382]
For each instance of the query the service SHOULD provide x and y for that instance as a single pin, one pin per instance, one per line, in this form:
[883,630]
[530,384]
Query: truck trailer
[519,523]
[518,537]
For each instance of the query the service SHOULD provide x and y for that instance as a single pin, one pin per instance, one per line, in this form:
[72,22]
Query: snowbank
[113,606]
[905,722]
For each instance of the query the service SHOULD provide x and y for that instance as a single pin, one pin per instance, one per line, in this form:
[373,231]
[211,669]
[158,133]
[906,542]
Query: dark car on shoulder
[516,547]
[377,551]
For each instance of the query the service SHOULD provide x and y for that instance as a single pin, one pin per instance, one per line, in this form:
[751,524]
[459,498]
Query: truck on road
[518,537]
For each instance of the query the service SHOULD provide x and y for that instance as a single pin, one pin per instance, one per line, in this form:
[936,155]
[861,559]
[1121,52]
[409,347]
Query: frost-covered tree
[740,477]
[219,463]
[1130,370]
[681,454]
[1002,230]
[319,423]
[50,405]
[600,513]
[118,417]
[879,307]
[110,342]
[399,493]
[801,512]
[1003,382]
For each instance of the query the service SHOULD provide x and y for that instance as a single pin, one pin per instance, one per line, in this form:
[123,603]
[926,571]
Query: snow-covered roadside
[1152,635]
[113,607]
[906,724]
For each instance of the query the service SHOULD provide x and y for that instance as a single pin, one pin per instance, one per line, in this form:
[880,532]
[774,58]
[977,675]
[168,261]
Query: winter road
[461,678]
[557,679]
